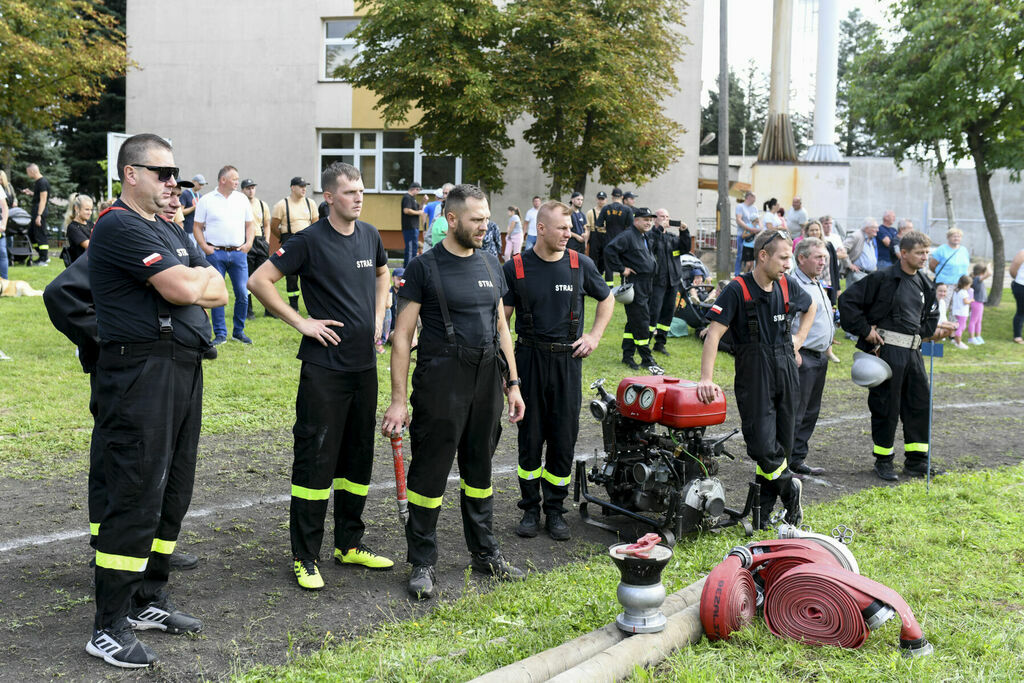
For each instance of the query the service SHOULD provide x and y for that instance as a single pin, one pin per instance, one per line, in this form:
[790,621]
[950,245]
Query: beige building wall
[240,83]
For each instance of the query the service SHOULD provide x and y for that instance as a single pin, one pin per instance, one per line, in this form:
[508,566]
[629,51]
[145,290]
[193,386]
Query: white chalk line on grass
[58,536]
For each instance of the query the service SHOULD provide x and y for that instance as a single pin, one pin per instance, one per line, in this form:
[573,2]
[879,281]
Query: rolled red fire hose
[400,494]
[809,597]
[824,605]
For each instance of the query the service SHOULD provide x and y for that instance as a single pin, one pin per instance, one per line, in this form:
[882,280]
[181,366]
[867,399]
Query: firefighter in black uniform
[345,282]
[150,285]
[756,308]
[598,236]
[456,289]
[546,286]
[614,219]
[891,311]
[631,254]
[668,247]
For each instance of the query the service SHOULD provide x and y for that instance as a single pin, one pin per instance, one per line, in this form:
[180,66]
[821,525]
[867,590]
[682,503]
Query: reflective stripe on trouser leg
[145,442]
[335,412]
[456,405]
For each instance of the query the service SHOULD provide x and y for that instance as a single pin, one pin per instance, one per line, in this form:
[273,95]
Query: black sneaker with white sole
[120,648]
[162,616]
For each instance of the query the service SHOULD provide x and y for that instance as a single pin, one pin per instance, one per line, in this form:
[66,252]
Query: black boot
[630,362]
[766,501]
[647,360]
[884,469]
[790,493]
[659,347]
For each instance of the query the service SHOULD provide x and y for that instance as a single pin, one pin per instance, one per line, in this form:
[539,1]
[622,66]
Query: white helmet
[623,293]
[869,370]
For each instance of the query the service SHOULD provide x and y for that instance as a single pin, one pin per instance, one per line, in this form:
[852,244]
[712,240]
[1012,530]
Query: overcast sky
[750,38]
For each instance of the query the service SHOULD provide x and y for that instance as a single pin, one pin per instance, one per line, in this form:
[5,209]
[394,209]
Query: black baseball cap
[186,183]
[415,186]
[643,212]
[616,192]
[249,182]
[602,195]
[631,195]
[297,180]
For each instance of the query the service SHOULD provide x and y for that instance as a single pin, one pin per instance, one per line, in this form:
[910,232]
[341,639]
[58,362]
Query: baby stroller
[19,246]
[692,313]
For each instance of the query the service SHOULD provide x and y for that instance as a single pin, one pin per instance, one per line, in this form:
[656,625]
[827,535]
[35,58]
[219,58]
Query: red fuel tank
[669,401]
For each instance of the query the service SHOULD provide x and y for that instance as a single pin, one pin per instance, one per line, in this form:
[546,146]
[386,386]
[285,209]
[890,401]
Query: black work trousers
[662,306]
[767,392]
[902,397]
[291,282]
[39,236]
[335,419]
[637,333]
[148,400]
[812,372]
[552,391]
[595,249]
[456,412]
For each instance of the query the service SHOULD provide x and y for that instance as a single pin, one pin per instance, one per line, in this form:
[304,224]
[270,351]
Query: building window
[389,160]
[338,47]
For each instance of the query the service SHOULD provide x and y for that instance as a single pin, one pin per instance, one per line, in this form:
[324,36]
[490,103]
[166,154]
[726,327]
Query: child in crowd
[961,308]
[391,314]
[979,297]
[942,297]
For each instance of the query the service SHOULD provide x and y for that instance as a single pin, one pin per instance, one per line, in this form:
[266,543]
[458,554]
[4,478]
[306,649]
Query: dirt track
[244,590]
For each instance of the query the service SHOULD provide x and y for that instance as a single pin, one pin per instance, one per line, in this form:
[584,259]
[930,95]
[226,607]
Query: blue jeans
[236,265]
[412,243]
[530,241]
[3,256]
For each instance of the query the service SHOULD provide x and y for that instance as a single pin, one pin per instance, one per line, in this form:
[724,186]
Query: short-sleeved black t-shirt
[547,288]
[42,185]
[125,250]
[77,233]
[410,222]
[769,306]
[339,282]
[472,293]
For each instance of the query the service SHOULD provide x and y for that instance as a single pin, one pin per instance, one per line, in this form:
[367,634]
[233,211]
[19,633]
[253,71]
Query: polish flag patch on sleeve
[152,258]
[716,309]
[279,252]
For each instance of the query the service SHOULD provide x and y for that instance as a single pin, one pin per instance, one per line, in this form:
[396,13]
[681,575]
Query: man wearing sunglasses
[756,308]
[224,229]
[150,285]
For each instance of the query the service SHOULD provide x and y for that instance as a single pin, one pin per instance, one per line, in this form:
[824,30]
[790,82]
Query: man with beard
[755,309]
[457,387]
[344,276]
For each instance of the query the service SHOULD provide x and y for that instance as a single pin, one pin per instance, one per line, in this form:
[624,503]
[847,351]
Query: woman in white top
[770,220]
[514,238]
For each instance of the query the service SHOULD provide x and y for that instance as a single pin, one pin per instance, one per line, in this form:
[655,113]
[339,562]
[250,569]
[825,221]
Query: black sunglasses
[163,173]
[775,233]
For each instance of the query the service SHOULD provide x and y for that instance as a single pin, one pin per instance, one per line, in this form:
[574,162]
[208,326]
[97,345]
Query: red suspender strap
[517,261]
[743,286]
[574,258]
[785,291]
[108,210]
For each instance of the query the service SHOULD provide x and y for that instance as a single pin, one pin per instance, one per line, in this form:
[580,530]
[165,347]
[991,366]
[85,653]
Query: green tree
[953,75]
[55,58]
[83,138]
[856,34]
[590,74]
[445,62]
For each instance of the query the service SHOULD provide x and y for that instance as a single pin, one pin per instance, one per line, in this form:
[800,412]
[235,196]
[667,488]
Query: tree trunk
[944,181]
[988,208]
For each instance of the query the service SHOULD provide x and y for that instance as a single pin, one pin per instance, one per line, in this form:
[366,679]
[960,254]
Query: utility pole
[723,262]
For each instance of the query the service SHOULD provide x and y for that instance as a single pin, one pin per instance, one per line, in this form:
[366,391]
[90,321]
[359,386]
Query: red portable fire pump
[664,478]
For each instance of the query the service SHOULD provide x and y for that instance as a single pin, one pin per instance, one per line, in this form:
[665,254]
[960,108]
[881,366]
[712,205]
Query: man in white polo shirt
[224,230]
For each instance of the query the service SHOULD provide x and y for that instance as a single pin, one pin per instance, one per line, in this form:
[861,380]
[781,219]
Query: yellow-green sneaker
[363,556]
[308,575]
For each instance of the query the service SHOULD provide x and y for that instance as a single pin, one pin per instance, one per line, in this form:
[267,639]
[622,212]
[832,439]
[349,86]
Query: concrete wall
[876,184]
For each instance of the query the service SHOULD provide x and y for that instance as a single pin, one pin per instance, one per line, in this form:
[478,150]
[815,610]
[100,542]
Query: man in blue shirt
[886,240]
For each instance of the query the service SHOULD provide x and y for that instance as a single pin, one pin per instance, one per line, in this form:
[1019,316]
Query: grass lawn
[954,554]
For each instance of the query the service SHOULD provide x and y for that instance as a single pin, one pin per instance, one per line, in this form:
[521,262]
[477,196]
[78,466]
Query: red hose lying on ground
[824,605]
[809,597]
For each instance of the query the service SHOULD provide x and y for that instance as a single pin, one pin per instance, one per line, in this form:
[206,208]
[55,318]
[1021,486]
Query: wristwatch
[514,383]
